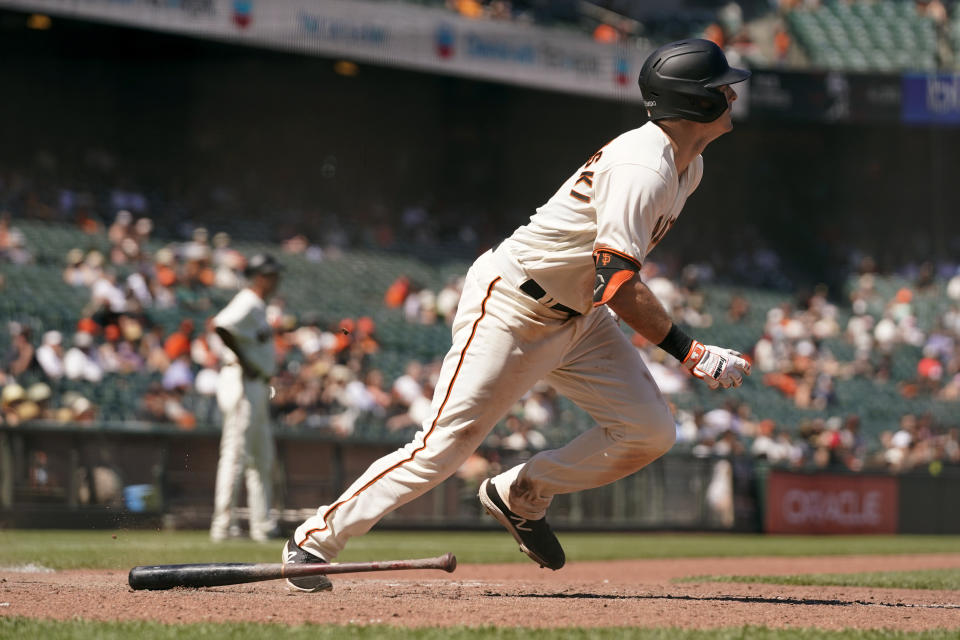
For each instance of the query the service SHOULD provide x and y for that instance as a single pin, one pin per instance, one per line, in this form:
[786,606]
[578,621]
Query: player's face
[269,283]
[731,97]
[724,123]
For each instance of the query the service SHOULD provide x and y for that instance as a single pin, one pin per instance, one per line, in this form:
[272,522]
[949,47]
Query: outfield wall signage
[391,34]
[831,503]
[931,99]
[825,97]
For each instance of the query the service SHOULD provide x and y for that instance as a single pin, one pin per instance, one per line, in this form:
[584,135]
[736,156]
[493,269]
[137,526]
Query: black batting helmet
[681,80]
[262,264]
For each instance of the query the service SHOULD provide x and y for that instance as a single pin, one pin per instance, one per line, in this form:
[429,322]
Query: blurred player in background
[243,393]
[543,305]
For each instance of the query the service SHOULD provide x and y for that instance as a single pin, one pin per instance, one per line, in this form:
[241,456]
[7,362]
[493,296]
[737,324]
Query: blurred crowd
[904,342]
[422,305]
[795,355]
[835,443]
[328,381]
[618,21]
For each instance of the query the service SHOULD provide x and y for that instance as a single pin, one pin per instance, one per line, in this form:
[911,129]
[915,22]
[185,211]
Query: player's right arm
[639,308]
[633,203]
[230,341]
[231,324]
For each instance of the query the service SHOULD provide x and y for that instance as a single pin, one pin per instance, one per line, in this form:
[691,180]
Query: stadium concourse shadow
[833,602]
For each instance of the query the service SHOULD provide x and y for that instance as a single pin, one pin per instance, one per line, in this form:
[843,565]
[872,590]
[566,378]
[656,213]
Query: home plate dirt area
[639,593]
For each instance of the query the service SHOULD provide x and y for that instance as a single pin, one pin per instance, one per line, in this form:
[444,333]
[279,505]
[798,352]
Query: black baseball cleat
[535,537]
[293,555]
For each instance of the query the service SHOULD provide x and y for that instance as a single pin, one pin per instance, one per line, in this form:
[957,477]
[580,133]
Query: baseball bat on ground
[216,574]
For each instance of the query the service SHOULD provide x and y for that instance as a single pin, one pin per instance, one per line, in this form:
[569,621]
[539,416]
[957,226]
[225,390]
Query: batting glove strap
[716,366]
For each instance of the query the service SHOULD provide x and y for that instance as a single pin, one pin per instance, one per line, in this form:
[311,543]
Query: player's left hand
[716,366]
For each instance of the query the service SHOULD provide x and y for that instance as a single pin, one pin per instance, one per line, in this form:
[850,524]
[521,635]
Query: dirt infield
[626,593]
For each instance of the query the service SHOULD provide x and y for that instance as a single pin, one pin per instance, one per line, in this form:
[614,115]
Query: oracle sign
[828,503]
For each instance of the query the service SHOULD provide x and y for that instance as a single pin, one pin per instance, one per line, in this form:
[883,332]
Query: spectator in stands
[142,229]
[738,309]
[10,399]
[398,291]
[37,402]
[152,401]
[73,273]
[381,399]
[175,411]
[107,294]
[727,445]
[364,341]
[522,436]
[50,355]
[107,350]
[539,405]
[76,408]
[118,232]
[764,445]
[466,8]
[449,298]
[20,359]
[178,376]
[13,244]
[81,362]
[411,393]
[227,263]
[192,290]
[929,371]
[606,33]
[715,33]
[500,10]
[933,9]
[92,268]
[409,386]
[177,343]
[782,42]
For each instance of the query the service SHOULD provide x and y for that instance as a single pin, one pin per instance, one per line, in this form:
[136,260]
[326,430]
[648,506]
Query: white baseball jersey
[246,444]
[245,317]
[505,339]
[625,197]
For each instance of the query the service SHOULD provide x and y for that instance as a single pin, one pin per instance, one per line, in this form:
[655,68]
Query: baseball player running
[539,307]
[243,394]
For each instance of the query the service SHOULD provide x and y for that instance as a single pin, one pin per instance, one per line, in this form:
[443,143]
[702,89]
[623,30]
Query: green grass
[81,630]
[926,579]
[100,550]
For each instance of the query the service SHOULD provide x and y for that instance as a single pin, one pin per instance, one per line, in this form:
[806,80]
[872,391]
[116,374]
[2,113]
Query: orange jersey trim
[433,426]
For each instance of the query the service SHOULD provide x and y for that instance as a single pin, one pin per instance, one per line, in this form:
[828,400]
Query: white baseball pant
[246,451]
[503,343]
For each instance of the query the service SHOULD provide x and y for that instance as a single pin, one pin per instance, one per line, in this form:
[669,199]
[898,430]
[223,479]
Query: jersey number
[586,177]
[660,229]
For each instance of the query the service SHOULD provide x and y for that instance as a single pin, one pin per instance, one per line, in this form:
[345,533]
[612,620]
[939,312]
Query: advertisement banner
[931,99]
[779,95]
[385,33]
[874,98]
[825,97]
[831,503]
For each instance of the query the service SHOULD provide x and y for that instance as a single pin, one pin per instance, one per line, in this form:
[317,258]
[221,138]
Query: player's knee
[663,432]
[655,433]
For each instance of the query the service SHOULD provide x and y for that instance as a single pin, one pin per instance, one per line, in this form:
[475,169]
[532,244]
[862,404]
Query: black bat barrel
[168,576]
